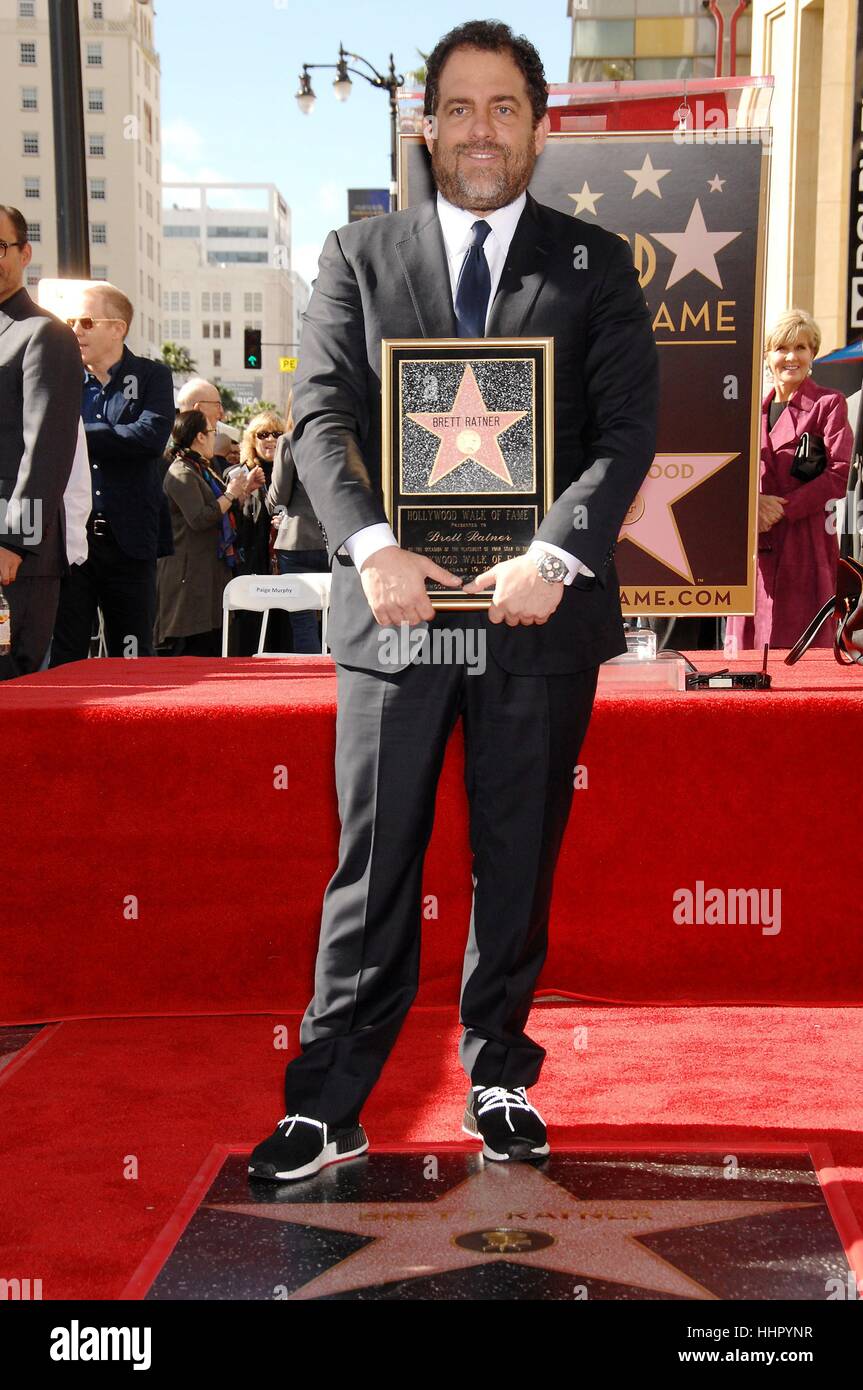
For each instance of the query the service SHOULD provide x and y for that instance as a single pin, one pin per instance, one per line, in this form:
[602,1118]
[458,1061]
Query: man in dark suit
[483,256]
[40,385]
[128,413]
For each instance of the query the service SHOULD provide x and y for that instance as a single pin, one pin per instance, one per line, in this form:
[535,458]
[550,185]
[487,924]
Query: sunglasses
[87,323]
[268,434]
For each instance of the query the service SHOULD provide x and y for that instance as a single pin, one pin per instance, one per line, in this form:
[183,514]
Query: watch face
[552,568]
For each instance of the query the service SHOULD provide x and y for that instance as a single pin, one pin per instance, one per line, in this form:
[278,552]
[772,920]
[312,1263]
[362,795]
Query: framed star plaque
[467,463]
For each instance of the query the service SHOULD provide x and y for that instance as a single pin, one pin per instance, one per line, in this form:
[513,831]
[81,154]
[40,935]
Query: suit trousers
[122,586]
[32,608]
[522,739]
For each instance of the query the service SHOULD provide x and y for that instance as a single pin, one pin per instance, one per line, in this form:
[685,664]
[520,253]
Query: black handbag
[810,458]
[846,610]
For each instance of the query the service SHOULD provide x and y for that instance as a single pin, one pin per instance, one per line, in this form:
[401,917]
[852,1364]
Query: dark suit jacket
[387,277]
[125,449]
[40,404]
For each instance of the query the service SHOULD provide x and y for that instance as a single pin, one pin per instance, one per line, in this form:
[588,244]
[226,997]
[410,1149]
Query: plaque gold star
[469,431]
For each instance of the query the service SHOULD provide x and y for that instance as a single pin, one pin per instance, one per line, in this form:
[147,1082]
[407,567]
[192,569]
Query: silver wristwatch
[550,567]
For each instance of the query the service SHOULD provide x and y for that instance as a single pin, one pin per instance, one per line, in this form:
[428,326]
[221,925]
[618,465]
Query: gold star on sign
[695,248]
[650,522]
[585,199]
[647,178]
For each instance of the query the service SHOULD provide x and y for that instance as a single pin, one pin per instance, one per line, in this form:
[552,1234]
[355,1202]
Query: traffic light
[252,348]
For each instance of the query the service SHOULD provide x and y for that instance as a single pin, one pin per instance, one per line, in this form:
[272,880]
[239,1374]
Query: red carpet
[167,874]
[85,1096]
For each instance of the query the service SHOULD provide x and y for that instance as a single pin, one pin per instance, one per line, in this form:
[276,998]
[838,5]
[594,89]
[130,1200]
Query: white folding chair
[258,593]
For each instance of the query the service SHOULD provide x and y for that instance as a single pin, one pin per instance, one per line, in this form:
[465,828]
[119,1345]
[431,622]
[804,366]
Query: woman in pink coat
[797,542]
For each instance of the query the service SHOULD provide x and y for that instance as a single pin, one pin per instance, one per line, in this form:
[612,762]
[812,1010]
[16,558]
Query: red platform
[153,867]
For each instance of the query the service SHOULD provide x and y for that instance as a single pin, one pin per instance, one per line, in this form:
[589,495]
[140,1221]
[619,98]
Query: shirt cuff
[369,539]
[572,564]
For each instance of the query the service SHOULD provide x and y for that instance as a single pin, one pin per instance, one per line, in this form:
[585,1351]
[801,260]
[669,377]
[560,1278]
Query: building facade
[648,40]
[809,47]
[227,267]
[121,81]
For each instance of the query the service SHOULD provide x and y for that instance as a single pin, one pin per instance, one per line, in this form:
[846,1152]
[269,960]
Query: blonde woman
[257,451]
[797,543]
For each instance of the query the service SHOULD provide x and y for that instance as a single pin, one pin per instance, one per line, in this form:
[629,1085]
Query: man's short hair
[493,36]
[115,301]
[18,220]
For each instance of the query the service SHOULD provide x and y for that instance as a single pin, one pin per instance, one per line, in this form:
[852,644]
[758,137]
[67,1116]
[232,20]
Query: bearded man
[482,257]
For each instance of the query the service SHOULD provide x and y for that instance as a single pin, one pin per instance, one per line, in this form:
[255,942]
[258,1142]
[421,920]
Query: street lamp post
[342,88]
[70,175]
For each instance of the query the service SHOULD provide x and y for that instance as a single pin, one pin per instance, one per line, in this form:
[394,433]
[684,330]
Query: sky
[230,73]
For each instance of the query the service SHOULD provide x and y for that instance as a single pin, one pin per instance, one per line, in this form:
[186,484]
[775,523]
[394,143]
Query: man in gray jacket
[40,405]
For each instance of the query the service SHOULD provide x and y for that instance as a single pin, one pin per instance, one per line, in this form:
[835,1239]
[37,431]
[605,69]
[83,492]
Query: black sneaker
[509,1126]
[301,1146]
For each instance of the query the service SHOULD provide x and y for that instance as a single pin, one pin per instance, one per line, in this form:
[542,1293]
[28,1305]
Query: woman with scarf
[204,517]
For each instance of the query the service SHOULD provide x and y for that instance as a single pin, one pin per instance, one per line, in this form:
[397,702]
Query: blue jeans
[304,625]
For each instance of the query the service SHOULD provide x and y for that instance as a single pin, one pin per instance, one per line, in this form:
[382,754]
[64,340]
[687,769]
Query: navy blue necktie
[474,287]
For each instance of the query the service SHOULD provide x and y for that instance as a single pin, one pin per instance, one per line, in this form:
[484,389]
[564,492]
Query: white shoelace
[291,1120]
[493,1097]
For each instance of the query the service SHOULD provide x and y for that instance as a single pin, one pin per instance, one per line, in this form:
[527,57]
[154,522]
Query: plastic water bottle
[5,625]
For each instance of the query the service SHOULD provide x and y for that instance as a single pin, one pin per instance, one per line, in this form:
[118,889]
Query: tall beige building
[227,267]
[810,47]
[120,78]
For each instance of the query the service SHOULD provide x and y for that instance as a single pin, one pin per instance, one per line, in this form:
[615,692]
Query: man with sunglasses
[40,396]
[128,411]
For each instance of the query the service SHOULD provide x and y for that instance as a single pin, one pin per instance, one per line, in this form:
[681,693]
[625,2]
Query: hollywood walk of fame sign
[693,211]
[466,459]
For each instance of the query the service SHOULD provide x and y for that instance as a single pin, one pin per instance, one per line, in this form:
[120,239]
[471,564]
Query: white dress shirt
[456,226]
[78,501]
